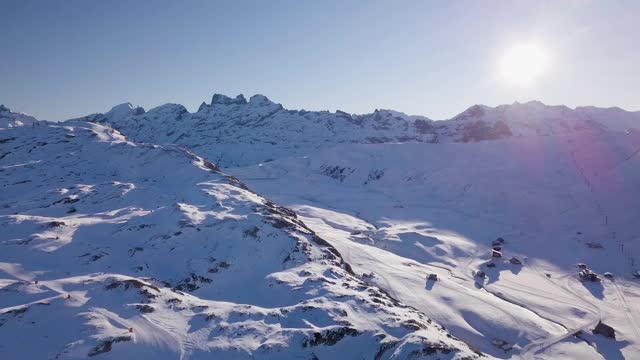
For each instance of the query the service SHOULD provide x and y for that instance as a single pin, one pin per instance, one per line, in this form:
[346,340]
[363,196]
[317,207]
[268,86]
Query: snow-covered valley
[403,211]
[122,238]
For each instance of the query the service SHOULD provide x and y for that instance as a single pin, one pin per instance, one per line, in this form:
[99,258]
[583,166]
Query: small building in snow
[587,275]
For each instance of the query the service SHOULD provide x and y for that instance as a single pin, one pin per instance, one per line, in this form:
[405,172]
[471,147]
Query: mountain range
[237,132]
[246,230]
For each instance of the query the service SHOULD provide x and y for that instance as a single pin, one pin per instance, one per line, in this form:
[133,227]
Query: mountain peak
[260,99]
[9,119]
[535,103]
[528,103]
[226,100]
[474,111]
[124,109]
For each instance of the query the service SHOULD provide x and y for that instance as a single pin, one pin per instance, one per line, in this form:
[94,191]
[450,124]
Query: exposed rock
[329,337]
[604,330]
[106,346]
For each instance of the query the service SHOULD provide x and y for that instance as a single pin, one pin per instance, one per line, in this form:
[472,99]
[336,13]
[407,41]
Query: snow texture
[150,234]
[118,249]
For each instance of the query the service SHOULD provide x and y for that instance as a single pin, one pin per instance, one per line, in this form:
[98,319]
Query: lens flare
[522,64]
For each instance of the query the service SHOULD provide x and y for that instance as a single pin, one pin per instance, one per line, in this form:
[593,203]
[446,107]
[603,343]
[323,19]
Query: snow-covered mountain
[237,132]
[119,249]
[481,122]
[120,236]
[10,119]
[404,211]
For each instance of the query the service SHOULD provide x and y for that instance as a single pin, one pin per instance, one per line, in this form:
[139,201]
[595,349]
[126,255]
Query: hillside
[118,249]
[403,211]
[400,236]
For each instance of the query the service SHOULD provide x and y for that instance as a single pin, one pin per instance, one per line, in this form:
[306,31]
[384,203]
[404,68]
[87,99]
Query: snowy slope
[402,211]
[156,238]
[10,119]
[117,249]
[237,132]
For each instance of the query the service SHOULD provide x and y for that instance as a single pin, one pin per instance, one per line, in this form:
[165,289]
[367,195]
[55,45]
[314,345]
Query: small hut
[587,275]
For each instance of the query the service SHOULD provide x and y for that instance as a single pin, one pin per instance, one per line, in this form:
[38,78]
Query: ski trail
[627,309]
[530,350]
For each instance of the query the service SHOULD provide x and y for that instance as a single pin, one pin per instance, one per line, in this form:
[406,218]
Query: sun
[523,64]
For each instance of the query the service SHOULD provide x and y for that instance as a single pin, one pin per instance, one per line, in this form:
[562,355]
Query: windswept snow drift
[117,249]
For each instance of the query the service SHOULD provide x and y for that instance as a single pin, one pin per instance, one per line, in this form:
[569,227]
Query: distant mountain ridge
[239,132]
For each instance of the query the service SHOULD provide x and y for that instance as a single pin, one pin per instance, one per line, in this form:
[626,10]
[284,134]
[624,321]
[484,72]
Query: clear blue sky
[63,59]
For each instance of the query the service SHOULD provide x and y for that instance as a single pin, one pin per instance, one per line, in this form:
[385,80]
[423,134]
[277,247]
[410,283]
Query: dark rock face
[140,110]
[423,126]
[337,172]
[480,130]
[330,337]
[225,100]
[106,346]
[604,330]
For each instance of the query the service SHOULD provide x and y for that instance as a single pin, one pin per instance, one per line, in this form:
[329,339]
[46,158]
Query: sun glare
[522,64]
